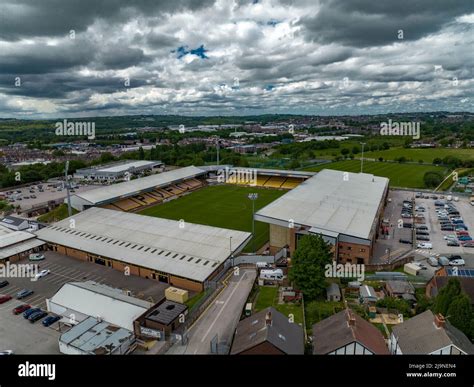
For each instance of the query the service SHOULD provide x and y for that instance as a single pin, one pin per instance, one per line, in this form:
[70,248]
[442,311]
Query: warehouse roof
[133,187]
[122,167]
[166,312]
[93,299]
[10,237]
[336,201]
[194,251]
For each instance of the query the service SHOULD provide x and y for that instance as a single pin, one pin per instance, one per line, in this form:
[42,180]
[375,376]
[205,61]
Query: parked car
[432,261]
[29,312]
[447,228]
[50,320]
[21,309]
[468,244]
[6,352]
[24,293]
[37,316]
[422,238]
[449,236]
[42,274]
[5,298]
[422,227]
[457,262]
[464,238]
[422,232]
[424,246]
[405,241]
[443,261]
[36,257]
[452,243]
[407,225]
[4,283]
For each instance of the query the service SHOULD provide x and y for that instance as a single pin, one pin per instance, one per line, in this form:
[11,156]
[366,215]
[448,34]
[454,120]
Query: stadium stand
[127,204]
[261,180]
[291,183]
[275,182]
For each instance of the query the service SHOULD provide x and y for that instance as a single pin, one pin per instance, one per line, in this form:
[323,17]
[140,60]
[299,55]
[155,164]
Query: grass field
[224,206]
[427,155]
[400,175]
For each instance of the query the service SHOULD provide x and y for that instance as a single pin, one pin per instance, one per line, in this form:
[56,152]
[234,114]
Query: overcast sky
[72,58]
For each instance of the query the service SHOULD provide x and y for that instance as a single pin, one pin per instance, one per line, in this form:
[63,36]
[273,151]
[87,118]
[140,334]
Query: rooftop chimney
[351,319]
[268,319]
[439,320]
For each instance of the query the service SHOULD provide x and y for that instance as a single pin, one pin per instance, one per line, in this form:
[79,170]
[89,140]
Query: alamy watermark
[68,128]
[11,270]
[394,128]
[349,270]
[245,176]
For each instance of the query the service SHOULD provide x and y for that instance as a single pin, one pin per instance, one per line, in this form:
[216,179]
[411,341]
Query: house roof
[12,221]
[335,332]
[420,335]
[400,287]
[286,336]
[166,312]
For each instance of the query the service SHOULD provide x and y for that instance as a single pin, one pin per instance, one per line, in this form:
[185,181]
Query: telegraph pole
[253,197]
[69,209]
[362,159]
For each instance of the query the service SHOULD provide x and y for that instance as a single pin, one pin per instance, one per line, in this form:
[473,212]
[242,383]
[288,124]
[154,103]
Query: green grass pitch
[400,175]
[226,206]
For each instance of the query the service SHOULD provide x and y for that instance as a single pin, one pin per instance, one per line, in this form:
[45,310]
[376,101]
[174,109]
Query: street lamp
[253,197]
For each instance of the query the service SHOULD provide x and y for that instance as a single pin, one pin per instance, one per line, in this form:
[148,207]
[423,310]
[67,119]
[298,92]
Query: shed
[333,292]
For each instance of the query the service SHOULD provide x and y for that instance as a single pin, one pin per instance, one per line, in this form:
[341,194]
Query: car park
[21,309]
[24,293]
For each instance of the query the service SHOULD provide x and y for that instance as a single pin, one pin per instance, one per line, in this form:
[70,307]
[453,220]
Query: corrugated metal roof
[10,237]
[99,300]
[128,188]
[193,252]
[20,248]
[336,201]
[93,336]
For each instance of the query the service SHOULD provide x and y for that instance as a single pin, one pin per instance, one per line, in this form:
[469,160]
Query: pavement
[221,318]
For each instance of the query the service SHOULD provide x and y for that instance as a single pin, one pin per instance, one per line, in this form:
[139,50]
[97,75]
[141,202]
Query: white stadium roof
[134,187]
[193,252]
[126,166]
[332,201]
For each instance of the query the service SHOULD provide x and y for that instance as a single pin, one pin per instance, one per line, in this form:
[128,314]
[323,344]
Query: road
[221,317]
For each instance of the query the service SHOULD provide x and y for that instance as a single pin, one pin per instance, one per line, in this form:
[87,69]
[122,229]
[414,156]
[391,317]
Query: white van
[424,245]
[262,265]
[273,274]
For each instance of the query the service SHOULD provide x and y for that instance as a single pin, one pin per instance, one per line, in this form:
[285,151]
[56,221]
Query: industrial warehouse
[345,208]
[182,254]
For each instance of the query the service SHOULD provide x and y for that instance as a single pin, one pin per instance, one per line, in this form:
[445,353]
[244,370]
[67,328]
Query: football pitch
[226,206]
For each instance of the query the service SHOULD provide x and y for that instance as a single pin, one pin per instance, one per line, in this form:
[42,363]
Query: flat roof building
[343,207]
[181,254]
[115,171]
[15,245]
[91,299]
[95,337]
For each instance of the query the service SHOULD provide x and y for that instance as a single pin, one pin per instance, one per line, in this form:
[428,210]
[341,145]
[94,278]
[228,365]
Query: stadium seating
[275,182]
[261,180]
[291,183]
[127,204]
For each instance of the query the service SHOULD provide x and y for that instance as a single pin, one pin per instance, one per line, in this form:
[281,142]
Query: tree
[446,295]
[345,152]
[437,161]
[380,158]
[141,153]
[460,314]
[432,179]
[355,149]
[308,265]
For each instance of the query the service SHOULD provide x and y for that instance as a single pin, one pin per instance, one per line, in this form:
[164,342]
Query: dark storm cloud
[364,23]
[30,18]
